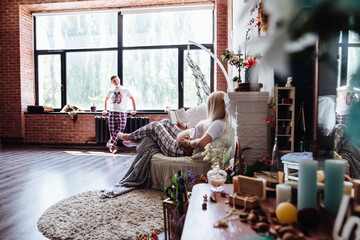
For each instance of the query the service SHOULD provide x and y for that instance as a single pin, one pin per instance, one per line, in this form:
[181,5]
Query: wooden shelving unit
[285,118]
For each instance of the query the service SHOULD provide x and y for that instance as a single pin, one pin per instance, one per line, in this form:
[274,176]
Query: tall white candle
[334,185]
[283,193]
[307,187]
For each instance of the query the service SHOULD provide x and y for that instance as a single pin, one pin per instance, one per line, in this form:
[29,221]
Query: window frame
[182,48]
[344,45]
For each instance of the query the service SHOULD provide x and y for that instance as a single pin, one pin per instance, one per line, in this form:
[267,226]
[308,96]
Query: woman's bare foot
[123,136]
[111,150]
[114,151]
[126,137]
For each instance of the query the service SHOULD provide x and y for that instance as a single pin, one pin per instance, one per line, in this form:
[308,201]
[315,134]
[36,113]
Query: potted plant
[93,100]
[177,192]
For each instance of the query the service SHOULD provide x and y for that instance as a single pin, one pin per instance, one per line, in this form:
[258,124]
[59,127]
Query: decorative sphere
[286,212]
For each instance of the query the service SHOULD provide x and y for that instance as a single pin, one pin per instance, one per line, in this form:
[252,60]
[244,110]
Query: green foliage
[177,191]
[259,166]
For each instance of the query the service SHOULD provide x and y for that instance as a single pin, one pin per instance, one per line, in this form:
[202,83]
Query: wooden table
[199,223]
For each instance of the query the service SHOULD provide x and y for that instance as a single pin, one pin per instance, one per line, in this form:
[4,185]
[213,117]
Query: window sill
[100,112]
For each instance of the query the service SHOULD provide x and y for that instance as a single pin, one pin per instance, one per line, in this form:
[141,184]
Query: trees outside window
[77,53]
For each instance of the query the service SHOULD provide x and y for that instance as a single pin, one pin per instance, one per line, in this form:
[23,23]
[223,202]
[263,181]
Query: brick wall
[221,8]
[17,89]
[60,128]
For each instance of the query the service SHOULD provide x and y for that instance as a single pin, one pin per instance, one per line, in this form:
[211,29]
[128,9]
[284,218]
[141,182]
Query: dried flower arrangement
[215,152]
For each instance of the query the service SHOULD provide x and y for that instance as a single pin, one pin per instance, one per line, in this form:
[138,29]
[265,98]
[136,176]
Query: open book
[177,116]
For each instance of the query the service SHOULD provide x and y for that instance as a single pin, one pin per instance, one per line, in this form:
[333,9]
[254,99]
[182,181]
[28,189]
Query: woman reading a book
[177,140]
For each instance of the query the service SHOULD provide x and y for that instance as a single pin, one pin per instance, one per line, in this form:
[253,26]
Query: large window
[77,53]
[349,52]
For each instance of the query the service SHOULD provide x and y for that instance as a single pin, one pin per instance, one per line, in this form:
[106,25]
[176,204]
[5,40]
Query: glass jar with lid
[216,178]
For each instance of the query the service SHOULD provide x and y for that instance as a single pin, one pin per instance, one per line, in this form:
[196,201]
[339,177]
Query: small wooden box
[249,192]
[240,201]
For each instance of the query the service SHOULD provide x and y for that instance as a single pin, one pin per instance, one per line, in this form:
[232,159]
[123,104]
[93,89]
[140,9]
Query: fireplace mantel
[247,112]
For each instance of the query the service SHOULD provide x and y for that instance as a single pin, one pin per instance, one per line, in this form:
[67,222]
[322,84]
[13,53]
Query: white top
[216,129]
[326,113]
[345,97]
[118,99]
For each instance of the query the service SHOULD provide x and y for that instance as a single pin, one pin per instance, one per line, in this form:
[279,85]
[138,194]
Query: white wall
[241,16]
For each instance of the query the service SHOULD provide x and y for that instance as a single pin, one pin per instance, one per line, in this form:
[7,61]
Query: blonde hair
[216,108]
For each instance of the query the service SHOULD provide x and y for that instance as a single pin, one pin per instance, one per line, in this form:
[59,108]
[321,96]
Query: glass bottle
[274,160]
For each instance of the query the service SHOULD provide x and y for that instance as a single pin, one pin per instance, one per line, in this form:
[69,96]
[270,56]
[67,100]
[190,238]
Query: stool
[291,163]
[287,171]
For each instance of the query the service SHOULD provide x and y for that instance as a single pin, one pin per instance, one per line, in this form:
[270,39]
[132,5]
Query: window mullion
[63,79]
[212,70]
[344,58]
[120,48]
[181,76]
[36,66]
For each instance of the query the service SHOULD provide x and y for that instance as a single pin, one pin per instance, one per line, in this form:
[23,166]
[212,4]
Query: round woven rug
[86,216]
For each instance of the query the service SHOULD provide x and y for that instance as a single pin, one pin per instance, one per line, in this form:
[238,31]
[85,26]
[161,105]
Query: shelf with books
[285,118]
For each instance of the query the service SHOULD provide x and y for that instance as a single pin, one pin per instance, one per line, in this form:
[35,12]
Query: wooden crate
[168,206]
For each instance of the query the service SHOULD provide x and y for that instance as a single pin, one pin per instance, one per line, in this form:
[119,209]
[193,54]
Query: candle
[236,184]
[357,190]
[307,187]
[263,197]
[283,193]
[348,187]
[334,185]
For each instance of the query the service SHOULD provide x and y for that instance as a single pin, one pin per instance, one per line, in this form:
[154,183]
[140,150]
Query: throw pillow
[196,114]
[295,157]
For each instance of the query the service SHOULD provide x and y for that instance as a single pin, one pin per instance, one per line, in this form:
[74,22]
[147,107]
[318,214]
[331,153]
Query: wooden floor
[34,178]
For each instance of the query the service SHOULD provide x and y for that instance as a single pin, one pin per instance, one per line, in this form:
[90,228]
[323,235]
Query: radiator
[102,127]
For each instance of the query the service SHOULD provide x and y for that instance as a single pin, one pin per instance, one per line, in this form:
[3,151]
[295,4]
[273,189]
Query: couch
[162,167]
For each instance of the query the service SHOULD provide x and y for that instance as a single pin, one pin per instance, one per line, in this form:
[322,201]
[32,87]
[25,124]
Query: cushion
[295,157]
[196,114]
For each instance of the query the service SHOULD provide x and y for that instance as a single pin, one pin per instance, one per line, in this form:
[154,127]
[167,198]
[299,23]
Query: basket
[168,206]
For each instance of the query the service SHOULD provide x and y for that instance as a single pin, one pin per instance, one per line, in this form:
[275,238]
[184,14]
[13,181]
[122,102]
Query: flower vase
[251,75]
[235,85]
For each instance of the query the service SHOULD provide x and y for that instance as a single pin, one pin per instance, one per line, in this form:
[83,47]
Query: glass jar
[216,178]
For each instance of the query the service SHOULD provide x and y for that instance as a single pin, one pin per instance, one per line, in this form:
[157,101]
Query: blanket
[351,153]
[72,111]
[138,175]
[348,150]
